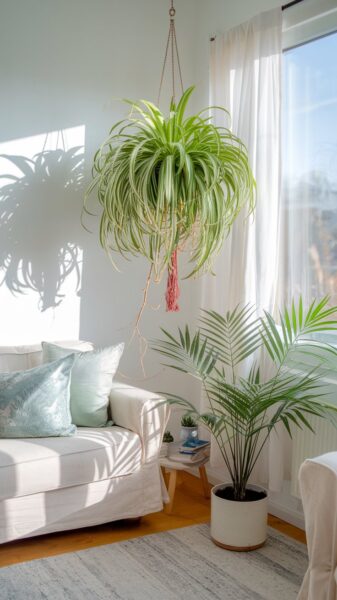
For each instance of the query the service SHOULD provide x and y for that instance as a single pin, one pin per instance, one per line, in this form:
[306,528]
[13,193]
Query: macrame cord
[172,287]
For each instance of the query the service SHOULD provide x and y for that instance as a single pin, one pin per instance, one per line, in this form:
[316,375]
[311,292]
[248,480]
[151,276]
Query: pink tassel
[172,289]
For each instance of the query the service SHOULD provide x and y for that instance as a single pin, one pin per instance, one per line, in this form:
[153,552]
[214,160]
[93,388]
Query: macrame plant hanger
[172,288]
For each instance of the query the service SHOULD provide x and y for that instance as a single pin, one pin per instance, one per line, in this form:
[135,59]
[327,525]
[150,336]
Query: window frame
[307,21]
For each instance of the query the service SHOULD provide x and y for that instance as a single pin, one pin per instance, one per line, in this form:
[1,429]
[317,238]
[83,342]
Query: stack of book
[191,451]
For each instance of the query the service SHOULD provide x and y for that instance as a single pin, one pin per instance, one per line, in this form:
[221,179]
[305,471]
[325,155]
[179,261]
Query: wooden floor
[190,508]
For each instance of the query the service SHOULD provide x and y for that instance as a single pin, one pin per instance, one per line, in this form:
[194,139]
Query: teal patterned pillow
[91,381]
[35,403]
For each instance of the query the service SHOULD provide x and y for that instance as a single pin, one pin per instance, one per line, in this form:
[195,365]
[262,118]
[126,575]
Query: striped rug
[180,564]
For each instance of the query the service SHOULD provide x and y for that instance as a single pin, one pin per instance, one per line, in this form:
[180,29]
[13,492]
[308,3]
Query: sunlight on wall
[41,191]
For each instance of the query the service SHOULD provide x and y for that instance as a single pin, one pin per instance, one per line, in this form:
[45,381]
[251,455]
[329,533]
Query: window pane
[309,204]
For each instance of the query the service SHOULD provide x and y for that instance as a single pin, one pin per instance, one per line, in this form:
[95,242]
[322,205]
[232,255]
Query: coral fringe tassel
[172,289]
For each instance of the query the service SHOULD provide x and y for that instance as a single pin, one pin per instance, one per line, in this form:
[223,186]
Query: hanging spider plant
[166,182]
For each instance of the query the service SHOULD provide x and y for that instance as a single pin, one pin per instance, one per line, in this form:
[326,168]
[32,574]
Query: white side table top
[180,466]
[168,463]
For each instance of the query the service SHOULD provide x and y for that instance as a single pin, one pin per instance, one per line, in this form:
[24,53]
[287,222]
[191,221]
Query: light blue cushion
[35,403]
[91,381]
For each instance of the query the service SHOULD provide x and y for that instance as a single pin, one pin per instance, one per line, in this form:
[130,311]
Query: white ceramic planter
[164,450]
[240,526]
[187,433]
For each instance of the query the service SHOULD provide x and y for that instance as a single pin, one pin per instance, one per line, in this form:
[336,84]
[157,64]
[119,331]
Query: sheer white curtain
[245,78]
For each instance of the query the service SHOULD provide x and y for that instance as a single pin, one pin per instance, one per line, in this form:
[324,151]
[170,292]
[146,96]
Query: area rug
[179,564]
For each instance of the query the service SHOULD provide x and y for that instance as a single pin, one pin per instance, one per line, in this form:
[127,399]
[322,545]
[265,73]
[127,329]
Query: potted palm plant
[244,409]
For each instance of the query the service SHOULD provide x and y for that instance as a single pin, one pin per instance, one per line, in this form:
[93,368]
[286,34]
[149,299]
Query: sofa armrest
[140,411]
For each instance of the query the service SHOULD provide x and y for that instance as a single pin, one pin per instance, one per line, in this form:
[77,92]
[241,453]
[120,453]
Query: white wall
[64,65]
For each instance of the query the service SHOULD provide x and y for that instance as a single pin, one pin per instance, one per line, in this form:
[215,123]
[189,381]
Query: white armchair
[318,484]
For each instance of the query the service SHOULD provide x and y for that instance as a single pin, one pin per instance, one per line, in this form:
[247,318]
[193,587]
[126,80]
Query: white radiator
[307,445]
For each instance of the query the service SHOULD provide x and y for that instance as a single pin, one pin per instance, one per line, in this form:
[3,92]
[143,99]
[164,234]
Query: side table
[172,467]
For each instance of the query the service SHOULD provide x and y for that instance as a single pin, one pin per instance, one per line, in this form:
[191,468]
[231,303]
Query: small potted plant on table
[167,440]
[189,428]
[244,410]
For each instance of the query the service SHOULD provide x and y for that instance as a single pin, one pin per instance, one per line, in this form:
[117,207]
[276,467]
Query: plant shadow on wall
[40,232]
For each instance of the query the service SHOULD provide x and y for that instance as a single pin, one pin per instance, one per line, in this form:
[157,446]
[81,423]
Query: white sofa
[98,475]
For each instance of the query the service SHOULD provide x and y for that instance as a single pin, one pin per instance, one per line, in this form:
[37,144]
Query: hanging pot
[240,526]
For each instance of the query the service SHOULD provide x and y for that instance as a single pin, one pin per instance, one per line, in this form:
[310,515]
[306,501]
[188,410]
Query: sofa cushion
[35,403]
[21,358]
[91,380]
[29,466]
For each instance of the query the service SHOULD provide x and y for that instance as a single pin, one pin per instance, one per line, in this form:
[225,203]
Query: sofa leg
[132,522]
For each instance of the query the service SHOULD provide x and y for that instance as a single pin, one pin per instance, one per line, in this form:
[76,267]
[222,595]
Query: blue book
[193,445]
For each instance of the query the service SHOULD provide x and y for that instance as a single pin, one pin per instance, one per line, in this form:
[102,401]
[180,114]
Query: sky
[310,110]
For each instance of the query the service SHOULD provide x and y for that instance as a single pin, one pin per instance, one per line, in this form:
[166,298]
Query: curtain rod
[284,7]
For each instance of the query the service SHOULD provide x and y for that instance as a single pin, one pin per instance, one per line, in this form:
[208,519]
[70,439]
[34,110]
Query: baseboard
[287,514]
[287,507]
[282,505]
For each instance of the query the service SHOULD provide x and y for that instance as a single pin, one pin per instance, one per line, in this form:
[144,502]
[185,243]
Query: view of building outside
[309,165]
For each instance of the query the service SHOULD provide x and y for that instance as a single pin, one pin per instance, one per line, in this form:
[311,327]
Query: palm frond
[296,325]
[235,336]
[190,353]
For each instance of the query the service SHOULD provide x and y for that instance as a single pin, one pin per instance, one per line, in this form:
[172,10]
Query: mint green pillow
[35,403]
[91,380]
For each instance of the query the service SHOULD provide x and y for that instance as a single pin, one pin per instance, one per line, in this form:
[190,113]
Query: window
[309,205]
[309,164]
